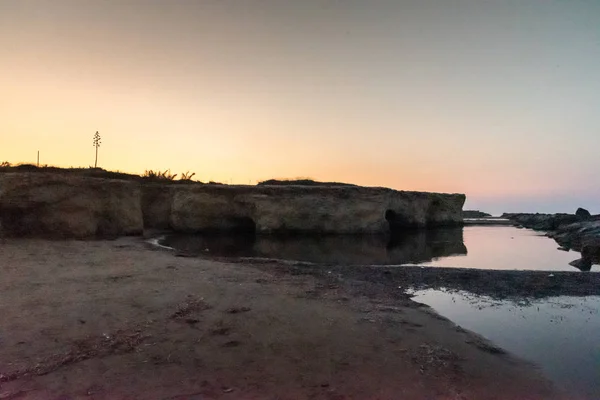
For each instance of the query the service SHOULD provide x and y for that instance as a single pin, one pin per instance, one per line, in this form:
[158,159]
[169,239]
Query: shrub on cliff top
[160,176]
[92,172]
[187,176]
[300,182]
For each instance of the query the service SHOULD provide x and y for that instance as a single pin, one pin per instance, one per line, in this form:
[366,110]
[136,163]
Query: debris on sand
[428,357]
[189,306]
[119,342]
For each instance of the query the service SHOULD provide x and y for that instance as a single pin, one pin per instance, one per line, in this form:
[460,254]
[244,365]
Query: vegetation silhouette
[97,143]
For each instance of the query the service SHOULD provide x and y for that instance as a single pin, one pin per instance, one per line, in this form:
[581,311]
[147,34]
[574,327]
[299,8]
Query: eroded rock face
[56,205]
[542,222]
[310,209]
[157,200]
[71,206]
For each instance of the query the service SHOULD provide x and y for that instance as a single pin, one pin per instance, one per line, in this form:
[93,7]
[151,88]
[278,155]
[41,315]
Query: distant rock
[583,236]
[475,214]
[542,222]
[582,213]
[570,231]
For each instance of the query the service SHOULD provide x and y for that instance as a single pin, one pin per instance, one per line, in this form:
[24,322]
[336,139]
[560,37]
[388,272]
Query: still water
[484,247]
[560,334]
[506,247]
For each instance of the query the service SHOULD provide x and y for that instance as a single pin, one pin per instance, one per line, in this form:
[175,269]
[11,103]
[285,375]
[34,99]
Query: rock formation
[541,222]
[580,236]
[75,206]
[68,206]
[278,209]
[475,214]
[582,213]
[579,232]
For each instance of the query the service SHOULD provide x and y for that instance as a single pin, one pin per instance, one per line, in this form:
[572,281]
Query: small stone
[221,331]
[237,310]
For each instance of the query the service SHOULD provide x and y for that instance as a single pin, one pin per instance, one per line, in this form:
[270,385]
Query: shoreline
[120,319]
[494,283]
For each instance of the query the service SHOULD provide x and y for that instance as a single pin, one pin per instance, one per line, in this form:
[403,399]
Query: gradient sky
[498,99]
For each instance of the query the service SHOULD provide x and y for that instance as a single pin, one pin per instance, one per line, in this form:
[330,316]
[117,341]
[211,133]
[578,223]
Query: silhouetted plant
[5,164]
[97,142]
[187,176]
[166,175]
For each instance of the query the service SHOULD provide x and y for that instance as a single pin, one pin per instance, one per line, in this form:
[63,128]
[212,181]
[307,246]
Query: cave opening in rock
[390,216]
[243,225]
[397,222]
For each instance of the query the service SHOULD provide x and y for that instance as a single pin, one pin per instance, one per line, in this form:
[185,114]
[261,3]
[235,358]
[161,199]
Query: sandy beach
[122,320]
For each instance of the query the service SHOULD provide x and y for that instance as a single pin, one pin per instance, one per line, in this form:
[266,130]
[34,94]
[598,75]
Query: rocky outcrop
[579,232]
[68,206]
[582,213]
[542,222]
[580,236]
[157,201]
[475,214]
[76,206]
[270,209]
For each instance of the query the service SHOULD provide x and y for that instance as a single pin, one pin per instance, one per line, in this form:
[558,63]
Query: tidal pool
[558,334]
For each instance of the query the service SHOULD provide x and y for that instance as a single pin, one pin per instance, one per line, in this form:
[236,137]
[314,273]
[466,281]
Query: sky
[497,99]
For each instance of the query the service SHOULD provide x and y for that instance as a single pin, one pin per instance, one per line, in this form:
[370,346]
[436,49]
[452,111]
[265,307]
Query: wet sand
[497,284]
[121,320]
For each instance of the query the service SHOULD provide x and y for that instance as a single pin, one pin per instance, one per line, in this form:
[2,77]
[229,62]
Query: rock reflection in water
[408,247]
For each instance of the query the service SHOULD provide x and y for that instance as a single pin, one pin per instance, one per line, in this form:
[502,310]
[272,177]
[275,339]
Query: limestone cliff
[75,206]
[273,209]
[34,204]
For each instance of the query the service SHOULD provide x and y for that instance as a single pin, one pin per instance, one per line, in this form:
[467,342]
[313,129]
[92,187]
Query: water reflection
[509,248]
[490,247]
[560,335]
[408,247]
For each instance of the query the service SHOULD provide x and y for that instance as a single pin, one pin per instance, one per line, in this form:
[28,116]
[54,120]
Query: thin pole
[38,161]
